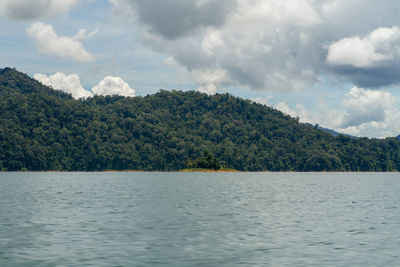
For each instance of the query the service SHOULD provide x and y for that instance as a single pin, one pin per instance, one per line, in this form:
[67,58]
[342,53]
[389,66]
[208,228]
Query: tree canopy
[46,129]
[207,161]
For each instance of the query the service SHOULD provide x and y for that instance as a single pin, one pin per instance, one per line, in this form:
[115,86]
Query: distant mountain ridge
[330,131]
[45,129]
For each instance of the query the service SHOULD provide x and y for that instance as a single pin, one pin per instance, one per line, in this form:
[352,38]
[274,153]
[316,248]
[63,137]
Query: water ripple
[198,219]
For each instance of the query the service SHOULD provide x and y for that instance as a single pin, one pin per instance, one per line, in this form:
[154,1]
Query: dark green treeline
[45,129]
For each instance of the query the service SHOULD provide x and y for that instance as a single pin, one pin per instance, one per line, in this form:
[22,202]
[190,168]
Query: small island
[206,163]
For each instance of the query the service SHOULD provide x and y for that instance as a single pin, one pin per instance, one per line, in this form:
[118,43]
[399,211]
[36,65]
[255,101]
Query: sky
[331,62]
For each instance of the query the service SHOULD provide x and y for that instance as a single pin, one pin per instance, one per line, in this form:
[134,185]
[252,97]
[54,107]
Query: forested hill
[45,129]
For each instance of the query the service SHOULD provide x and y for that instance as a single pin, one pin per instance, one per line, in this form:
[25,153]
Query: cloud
[275,12]
[354,52]
[83,34]
[72,84]
[48,42]
[381,45]
[211,42]
[371,61]
[67,83]
[370,113]
[174,18]
[299,111]
[113,86]
[374,129]
[363,106]
[255,50]
[255,44]
[274,45]
[210,80]
[263,100]
[389,126]
[34,9]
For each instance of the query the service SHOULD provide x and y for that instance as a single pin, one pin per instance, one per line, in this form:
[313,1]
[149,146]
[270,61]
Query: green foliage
[45,129]
[207,161]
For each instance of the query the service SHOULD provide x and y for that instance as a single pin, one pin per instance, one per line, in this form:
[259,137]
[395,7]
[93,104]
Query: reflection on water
[199,219]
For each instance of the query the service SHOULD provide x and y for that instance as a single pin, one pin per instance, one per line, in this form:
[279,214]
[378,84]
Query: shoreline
[192,171]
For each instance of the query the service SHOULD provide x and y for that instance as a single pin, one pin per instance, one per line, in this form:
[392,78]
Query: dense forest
[46,129]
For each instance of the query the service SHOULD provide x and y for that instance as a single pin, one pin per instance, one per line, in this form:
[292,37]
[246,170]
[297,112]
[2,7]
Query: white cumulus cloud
[370,113]
[113,86]
[380,45]
[34,9]
[210,80]
[67,83]
[363,106]
[48,42]
[71,83]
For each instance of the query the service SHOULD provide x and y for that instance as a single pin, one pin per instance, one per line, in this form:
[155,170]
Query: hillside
[45,129]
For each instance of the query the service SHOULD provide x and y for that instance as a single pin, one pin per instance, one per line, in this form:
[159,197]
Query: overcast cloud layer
[34,9]
[176,18]
[274,45]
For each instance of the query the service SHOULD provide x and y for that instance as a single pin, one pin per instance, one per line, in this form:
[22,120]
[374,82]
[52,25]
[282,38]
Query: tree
[207,161]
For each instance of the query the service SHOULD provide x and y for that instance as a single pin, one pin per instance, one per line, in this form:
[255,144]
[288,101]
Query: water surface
[199,219]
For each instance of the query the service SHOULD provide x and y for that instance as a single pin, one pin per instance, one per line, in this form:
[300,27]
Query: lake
[200,219]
